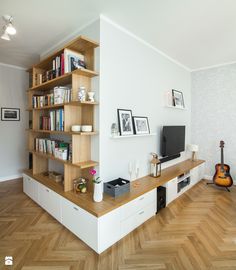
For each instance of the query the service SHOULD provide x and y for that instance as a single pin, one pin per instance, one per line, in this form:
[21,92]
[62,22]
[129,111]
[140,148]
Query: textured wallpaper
[214,115]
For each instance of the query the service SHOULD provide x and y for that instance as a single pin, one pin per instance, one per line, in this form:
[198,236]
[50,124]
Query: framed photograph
[10,114]
[141,125]
[178,98]
[125,122]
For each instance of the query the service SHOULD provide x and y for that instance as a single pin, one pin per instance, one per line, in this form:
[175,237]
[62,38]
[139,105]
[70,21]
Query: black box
[161,198]
[117,187]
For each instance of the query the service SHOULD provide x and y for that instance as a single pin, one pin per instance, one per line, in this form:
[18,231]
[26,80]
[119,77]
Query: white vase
[97,193]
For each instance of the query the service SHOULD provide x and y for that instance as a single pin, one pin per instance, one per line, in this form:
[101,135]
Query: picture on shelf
[10,114]
[125,122]
[141,125]
[178,98]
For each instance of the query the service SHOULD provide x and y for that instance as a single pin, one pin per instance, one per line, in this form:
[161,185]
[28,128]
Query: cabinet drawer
[30,187]
[145,213]
[50,201]
[139,203]
[80,222]
[137,219]
[128,225]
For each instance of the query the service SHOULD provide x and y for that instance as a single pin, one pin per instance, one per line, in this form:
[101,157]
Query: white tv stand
[100,225]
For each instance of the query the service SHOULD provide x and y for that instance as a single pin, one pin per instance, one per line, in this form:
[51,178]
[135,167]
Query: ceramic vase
[97,193]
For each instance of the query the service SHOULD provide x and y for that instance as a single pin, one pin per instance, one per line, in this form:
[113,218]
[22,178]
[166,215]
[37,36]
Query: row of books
[55,121]
[58,149]
[59,95]
[66,62]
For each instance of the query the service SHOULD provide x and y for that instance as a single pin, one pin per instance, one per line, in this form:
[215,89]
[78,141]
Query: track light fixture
[8,28]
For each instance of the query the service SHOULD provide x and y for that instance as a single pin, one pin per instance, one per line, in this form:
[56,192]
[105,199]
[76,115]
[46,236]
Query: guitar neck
[222,159]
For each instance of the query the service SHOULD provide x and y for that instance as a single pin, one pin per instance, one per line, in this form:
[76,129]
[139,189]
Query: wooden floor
[197,231]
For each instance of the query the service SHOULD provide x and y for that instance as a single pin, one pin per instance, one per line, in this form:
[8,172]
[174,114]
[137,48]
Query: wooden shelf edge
[63,132]
[93,44]
[82,71]
[81,165]
[72,103]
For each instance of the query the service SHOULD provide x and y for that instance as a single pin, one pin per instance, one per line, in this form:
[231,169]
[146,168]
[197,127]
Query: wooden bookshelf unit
[75,112]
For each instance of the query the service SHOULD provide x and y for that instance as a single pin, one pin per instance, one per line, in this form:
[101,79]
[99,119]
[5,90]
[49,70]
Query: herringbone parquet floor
[197,231]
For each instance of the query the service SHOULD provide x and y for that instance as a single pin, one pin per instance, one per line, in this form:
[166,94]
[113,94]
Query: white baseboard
[10,177]
[208,177]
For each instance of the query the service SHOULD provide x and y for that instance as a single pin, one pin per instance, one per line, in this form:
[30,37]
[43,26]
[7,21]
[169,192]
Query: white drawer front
[137,219]
[134,206]
[50,201]
[30,187]
[146,213]
[171,191]
[108,229]
[128,225]
[80,222]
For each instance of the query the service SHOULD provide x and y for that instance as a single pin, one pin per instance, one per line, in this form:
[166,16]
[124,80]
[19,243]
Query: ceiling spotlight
[5,36]
[8,28]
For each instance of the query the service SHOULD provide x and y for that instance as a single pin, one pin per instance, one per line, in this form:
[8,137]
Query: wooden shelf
[80,44]
[81,165]
[62,80]
[133,136]
[173,107]
[63,132]
[72,103]
[75,113]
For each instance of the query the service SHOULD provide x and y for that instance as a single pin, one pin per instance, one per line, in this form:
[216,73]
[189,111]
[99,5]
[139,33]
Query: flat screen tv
[173,141]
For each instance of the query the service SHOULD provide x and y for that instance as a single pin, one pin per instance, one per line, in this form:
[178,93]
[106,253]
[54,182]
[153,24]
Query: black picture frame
[10,114]
[141,125]
[178,99]
[125,122]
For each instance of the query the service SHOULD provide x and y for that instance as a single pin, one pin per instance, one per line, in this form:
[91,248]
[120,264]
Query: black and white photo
[178,98]
[10,114]
[141,125]
[125,122]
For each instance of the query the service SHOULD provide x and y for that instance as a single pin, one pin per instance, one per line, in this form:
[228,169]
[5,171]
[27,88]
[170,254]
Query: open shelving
[75,113]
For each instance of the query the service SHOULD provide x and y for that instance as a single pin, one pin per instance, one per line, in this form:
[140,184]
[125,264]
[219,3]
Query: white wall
[214,115]
[135,76]
[13,135]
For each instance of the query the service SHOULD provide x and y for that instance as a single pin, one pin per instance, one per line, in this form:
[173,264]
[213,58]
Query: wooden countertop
[137,188]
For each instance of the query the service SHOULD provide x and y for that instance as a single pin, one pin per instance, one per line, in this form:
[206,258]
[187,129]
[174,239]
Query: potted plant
[97,193]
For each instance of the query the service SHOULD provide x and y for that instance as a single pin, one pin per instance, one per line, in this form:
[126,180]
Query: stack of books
[66,62]
[58,95]
[55,121]
[58,149]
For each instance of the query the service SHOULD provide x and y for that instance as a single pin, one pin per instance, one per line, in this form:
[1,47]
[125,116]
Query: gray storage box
[117,187]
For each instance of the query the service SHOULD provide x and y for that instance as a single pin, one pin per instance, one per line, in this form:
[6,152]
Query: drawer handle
[76,208]
[47,190]
[141,198]
[28,179]
[141,213]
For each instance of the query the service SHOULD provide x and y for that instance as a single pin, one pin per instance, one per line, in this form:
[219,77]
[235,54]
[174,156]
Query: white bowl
[87,128]
[76,128]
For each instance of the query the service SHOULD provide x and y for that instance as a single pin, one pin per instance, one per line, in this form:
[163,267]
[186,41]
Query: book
[67,62]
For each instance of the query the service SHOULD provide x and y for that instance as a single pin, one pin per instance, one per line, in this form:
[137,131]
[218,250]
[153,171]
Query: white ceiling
[196,33]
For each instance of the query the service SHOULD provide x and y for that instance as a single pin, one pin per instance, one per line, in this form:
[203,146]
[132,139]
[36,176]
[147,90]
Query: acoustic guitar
[222,175]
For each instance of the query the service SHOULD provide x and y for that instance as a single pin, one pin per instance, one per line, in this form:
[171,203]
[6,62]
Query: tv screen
[173,140]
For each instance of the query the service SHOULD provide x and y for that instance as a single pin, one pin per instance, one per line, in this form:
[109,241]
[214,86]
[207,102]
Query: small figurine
[91,96]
